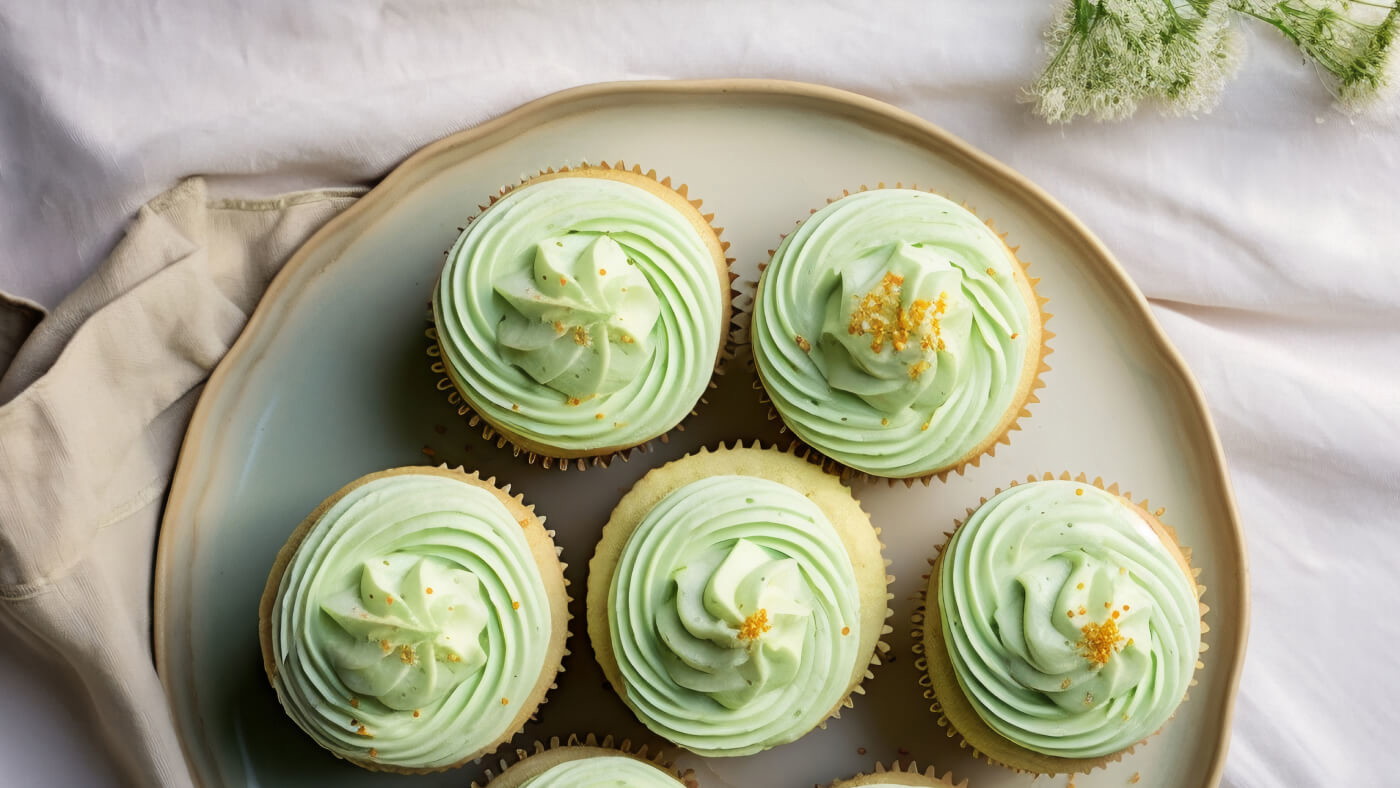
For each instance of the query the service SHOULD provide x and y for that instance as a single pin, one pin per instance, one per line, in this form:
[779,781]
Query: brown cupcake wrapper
[581,460]
[293,543]
[881,645]
[908,773]
[517,763]
[973,459]
[921,626]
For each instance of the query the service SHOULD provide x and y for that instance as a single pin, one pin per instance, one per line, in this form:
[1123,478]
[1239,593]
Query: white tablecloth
[1265,235]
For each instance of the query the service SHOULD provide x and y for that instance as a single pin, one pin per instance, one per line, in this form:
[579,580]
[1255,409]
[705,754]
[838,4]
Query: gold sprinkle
[991,271]
[1064,685]
[1122,570]
[373,753]
[384,646]
[515,605]
[1082,611]
[563,280]
[505,701]
[627,339]
[885,422]
[515,406]
[1079,491]
[1161,510]
[924,428]
[1015,334]
[845,630]
[1100,641]
[917,369]
[524,523]
[453,658]
[803,343]
[388,600]
[428,590]
[1127,607]
[581,336]
[1107,605]
[417,713]
[572,401]
[1115,614]
[406,655]
[1069,613]
[363,731]
[881,314]
[558,326]
[597,415]
[354,703]
[602,272]
[755,625]
[1080,586]
[1136,775]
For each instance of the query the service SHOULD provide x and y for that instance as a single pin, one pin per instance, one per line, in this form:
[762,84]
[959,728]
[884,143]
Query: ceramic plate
[330,381]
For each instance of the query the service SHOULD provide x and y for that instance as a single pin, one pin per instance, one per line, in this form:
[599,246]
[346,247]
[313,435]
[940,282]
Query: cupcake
[897,335]
[583,313]
[1062,626]
[899,777]
[586,763]
[737,599]
[415,620]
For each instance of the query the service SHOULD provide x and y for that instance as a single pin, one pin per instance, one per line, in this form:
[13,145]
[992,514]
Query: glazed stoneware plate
[331,380]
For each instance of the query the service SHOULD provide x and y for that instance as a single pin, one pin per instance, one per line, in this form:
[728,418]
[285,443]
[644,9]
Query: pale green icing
[408,646]
[433,676]
[1020,582]
[603,771]
[707,646]
[581,319]
[550,349]
[734,616]
[890,331]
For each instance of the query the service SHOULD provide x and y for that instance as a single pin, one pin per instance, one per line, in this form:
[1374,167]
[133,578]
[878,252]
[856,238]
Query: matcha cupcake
[897,335]
[587,763]
[737,599]
[897,776]
[1062,626]
[582,313]
[415,620]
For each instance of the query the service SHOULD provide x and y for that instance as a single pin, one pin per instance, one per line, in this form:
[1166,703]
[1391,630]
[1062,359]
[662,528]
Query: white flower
[1110,55]
[1352,40]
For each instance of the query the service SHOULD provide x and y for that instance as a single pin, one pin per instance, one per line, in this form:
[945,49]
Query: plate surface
[330,381]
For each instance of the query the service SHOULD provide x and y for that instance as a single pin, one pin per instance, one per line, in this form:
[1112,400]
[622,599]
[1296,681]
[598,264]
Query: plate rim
[863,108]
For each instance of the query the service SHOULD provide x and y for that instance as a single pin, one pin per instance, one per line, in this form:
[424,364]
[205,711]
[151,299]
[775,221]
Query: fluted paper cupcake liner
[601,567]
[1010,422]
[560,617]
[908,774]
[565,460]
[515,769]
[928,639]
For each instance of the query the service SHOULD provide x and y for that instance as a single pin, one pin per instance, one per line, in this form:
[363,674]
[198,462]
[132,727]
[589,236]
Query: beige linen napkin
[94,400]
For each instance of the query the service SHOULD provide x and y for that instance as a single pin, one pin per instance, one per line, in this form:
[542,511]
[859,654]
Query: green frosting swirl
[603,771]
[581,320]
[581,313]
[1071,628]
[412,620]
[890,331]
[734,616]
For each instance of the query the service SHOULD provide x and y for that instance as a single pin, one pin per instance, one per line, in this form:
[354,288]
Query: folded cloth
[94,401]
